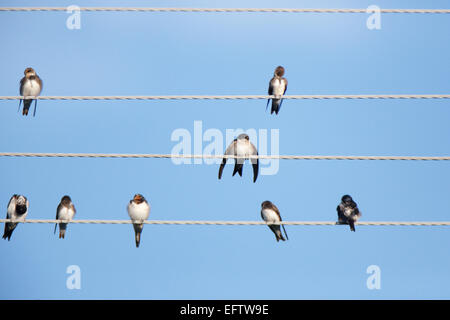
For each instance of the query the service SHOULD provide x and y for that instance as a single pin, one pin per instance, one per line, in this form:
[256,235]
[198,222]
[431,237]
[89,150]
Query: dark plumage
[65,211]
[277,87]
[17,210]
[348,212]
[271,214]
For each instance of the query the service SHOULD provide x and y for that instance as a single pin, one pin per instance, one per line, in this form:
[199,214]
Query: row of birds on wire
[139,210]
[31,86]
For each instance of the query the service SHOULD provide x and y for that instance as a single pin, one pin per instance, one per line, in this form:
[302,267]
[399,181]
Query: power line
[235,97]
[207,156]
[234,223]
[225,10]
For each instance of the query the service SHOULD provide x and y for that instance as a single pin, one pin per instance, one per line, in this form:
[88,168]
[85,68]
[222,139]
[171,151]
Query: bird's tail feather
[277,231]
[279,106]
[275,106]
[352,225]
[279,236]
[7,234]
[26,106]
[9,228]
[238,168]
[138,238]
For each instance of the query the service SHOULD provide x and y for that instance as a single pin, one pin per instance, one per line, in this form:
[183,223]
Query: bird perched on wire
[17,210]
[138,210]
[348,212]
[30,85]
[271,214]
[242,148]
[277,87]
[64,211]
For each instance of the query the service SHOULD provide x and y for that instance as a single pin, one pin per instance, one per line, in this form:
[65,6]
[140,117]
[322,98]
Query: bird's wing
[285,88]
[285,233]
[357,212]
[274,208]
[270,91]
[255,162]
[230,151]
[57,211]
[41,83]
[339,212]
[22,82]
[73,208]
[285,85]
[11,207]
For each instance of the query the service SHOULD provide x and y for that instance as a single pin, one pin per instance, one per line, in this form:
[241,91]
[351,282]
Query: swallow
[271,214]
[138,210]
[17,210]
[242,148]
[277,87]
[30,85]
[348,212]
[65,211]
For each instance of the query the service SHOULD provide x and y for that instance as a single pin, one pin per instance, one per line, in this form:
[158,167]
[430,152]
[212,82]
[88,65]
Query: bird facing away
[242,148]
[348,212]
[271,214]
[277,87]
[64,211]
[138,210]
[17,209]
[30,85]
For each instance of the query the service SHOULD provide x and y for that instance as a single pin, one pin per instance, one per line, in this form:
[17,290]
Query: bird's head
[138,198]
[66,200]
[29,72]
[346,199]
[279,71]
[243,136]
[21,200]
[266,204]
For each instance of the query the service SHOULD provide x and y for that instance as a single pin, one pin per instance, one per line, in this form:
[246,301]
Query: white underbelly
[278,88]
[138,211]
[269,215]
[31,88]
[15,216]
[242,150]
[66,214]
[348,212]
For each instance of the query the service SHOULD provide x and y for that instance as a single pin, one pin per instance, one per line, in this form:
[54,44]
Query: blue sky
[234,53]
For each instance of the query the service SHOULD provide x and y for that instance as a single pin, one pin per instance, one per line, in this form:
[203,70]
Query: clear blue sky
[234,53]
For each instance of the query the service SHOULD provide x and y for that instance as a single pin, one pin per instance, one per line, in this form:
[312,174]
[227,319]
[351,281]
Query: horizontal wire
[235,97]
[227,10]
[234,223]
[206,156]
